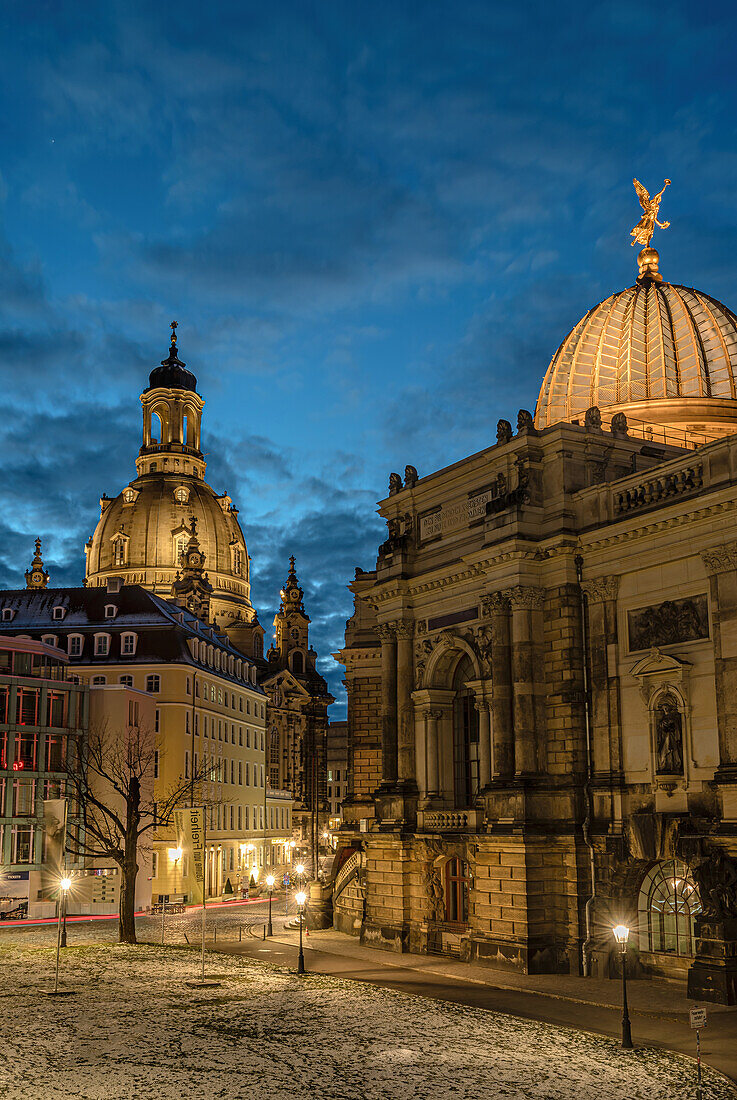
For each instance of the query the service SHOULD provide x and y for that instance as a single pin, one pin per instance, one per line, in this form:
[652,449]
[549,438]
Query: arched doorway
[465,736]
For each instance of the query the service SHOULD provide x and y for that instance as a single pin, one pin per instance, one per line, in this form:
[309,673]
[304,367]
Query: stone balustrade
[658,487]
[449,821]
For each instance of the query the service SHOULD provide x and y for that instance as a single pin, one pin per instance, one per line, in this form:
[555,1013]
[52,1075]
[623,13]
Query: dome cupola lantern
[172,415]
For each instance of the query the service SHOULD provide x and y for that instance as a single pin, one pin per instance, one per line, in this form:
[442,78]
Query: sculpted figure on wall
[668,736]
[716,878]
[503,431]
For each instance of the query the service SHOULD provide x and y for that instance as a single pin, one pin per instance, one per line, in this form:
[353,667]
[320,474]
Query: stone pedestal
[713,976]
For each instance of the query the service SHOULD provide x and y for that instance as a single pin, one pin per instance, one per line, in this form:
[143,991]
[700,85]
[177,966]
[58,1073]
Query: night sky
[374,222]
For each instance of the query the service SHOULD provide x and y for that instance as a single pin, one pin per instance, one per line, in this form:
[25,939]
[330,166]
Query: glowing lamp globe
[65,884]
[300,868]
[301,898]
[621,934]
[269,881]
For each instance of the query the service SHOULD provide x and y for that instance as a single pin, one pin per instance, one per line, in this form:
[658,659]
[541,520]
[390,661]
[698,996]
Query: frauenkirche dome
[143,532]
[661,353]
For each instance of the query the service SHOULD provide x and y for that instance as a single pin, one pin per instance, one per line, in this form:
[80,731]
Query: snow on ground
[134,1030]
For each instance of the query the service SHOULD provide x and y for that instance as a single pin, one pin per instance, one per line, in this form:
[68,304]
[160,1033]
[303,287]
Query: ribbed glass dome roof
[657,351]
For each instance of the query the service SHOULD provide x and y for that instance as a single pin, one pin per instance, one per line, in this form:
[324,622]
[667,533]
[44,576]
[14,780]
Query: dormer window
[8,614]
[102,645]
[120,548]
[128,643]
[181,494]
[130,495]
[113,585]
[58,613]
[110,611]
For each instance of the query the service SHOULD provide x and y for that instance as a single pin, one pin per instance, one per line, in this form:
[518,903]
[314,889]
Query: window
[248,738]
[97,680]
[119,551]
[26,712]
[240,736]
[26,749]
[337,775]
[50,639]
[21,844]
[156,763]
[110,611]
[232,771]
[154,864]
[128,644]
[55,708]
[24,796]
[240,774]
[204,726]
[58,613]
[189,686]
[240,818]
[297,663]
[240,704]
[56,751]
[212,693]
[248,774]
[153,684]
[3,748]
[9,614]
[102,645]
[180,546]
[668,903]
[74,645]
[133,713]
[186,763]
[126,681]
[186,721]
[157,721]
[456,891]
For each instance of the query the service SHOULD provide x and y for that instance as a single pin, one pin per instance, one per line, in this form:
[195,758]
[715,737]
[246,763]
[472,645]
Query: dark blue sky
[374,223]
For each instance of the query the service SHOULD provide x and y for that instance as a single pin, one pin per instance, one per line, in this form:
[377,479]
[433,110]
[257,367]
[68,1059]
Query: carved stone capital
[404,628]
[601,588]
[434,715]
[720,559]
[526,597]
[386,632]
[496,603]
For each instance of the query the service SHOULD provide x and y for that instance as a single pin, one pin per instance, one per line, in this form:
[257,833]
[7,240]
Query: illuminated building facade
[542,670]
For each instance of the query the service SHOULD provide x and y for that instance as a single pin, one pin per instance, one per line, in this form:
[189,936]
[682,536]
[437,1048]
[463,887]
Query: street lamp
[175,854]
[66,882]
[300,899]
[270,884]
[621,935]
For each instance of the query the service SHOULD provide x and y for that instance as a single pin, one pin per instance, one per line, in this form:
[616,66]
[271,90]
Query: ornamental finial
[174,326]
[643,231]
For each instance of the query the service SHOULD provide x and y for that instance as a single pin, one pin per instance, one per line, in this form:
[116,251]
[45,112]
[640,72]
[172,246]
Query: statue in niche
[668,736]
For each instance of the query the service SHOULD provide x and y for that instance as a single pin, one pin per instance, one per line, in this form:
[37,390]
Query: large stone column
[432,717]
[388,640]
[526,602]
[721,565]
[502,756]
[405,707]
[484,743]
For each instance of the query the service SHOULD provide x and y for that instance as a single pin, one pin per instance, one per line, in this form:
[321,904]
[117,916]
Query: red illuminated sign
[18,766]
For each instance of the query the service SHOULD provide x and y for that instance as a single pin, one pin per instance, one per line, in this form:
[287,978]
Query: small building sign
[697,1017]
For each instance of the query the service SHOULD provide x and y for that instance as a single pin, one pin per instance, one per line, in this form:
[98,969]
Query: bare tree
[110,782]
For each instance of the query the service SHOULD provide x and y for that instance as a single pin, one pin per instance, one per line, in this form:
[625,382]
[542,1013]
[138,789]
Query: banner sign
[190,826]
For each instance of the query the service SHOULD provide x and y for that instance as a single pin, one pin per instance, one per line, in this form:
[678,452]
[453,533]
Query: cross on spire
[174,326]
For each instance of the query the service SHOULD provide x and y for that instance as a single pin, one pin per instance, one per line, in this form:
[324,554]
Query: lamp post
[621,935]
[64,894]
[174,854]
[64,885]
[270,884]
[300,899]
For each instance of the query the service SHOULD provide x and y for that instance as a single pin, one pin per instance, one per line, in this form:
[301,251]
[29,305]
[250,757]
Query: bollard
[240,933]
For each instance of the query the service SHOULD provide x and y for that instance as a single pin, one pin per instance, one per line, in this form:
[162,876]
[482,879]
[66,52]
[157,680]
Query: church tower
[36,576]
[193,589]
[144,533]
[290,648]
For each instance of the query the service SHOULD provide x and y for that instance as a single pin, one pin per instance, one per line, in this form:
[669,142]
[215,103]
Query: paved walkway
[659,1010]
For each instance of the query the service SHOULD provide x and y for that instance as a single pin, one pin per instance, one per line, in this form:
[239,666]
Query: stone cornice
[602,588]
[720,559]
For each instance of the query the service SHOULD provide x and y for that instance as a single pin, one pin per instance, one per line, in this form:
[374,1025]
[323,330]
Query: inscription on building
[452,517]
[669,622]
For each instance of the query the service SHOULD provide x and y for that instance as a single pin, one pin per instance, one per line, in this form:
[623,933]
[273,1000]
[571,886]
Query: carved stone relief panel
[669,622]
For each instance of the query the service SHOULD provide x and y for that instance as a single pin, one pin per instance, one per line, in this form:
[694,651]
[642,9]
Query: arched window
[669,901]
[298,663]
[456,891]
[180,545]
[119,550]
[465,736]
[237,561]
[157,429]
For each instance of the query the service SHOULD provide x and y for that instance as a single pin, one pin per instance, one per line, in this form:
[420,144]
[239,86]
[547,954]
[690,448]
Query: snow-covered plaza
[134,1029]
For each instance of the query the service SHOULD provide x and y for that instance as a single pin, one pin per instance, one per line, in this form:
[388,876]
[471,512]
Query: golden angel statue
[643,231]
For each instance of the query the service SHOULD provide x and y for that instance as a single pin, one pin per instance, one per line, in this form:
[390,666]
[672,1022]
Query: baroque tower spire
[36,576]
